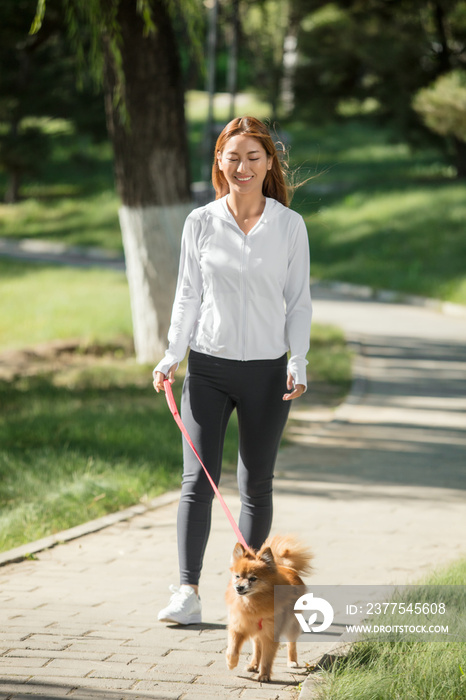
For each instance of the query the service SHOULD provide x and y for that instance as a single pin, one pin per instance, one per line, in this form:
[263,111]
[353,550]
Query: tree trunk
[460,149]
[444,57]
[232,75]
[151,169]
[12,192]
[290,57]
[151,237]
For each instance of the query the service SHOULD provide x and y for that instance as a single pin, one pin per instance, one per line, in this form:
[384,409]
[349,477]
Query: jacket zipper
[243,299]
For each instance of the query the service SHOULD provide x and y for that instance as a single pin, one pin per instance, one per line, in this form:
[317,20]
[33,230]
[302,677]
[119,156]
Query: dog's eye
[253,578]
[237,576]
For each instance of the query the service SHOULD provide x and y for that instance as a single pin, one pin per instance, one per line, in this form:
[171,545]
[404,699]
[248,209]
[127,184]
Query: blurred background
[108,115]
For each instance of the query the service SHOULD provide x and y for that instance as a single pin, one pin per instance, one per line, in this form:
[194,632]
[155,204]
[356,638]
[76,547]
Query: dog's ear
[238,552]
[267,557]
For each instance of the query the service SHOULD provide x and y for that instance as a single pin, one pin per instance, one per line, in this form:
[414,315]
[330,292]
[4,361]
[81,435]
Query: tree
[134,51]
[36,83]
[151,168]
[377,49]
[269,29]
[442,106]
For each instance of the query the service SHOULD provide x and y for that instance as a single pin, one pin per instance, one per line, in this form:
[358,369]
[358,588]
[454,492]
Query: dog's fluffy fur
[250,599]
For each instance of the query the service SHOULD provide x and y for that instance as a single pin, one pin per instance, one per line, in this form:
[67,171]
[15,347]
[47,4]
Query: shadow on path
[407,429]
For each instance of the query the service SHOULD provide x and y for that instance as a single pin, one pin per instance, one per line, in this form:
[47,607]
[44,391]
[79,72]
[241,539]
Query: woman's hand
[296,390]
[160,378]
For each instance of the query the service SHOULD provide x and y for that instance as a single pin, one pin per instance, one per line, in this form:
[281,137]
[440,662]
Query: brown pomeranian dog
[250,599]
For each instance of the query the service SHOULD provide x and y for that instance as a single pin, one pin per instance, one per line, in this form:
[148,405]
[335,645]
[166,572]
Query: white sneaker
[184,607]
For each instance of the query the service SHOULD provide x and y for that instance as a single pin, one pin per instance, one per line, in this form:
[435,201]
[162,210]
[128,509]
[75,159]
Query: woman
[242,302]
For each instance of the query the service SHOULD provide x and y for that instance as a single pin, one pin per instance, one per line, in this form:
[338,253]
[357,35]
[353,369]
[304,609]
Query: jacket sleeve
[187,297]
[298,302]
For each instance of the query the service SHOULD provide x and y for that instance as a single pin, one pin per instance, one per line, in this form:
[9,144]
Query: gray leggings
[212,389]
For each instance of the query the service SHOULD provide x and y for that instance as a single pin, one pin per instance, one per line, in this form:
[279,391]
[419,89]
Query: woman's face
[244,163]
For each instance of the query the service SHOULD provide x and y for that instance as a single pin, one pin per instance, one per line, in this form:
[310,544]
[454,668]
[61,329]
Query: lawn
[82,432]
[51,302]
[378,212]
[79,442]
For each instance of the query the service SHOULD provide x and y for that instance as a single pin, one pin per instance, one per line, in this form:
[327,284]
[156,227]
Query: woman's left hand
[296,390]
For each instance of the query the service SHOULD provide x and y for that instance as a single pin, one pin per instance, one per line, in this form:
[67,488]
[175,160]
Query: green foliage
[442,105]
[36,83]
[265,26]
[94,28]
[378,51]
[23,149]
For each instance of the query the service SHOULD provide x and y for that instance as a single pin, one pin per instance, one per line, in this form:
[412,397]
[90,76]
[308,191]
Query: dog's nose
[240,589]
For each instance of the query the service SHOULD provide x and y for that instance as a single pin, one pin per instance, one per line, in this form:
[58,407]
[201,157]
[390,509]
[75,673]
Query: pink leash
[174,411]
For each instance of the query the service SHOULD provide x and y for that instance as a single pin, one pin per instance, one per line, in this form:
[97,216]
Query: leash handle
[174,411]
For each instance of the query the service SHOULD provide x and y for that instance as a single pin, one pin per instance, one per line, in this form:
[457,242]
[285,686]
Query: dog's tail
[289,551]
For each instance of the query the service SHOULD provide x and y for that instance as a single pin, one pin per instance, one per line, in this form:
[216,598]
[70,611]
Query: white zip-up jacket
[242,297]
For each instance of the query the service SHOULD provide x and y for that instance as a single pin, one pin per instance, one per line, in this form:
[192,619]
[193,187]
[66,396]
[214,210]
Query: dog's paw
[252,668]
[232,661]
[264,678]
[292,664]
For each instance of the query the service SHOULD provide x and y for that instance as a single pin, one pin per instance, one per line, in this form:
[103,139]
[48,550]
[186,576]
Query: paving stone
[268,692]
[70,656]
[33,643]
[90,683]
[39,693]
[209,694]
[17,663]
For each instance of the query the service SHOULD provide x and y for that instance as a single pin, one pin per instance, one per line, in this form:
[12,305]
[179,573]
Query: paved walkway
[37,250]
[378,493]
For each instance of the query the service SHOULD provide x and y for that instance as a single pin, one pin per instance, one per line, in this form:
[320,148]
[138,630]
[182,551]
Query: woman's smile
[244,161]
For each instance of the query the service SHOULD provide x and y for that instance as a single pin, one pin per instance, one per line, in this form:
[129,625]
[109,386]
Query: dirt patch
[61,359]
[57,355]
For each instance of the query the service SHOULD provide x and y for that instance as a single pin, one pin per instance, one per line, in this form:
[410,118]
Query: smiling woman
[245,163]
[249,138]
[242,302]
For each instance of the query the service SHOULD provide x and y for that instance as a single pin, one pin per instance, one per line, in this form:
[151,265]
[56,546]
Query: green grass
[329,358]
[84,434]
[87,220]
[392,670]
[83,441]
[72,200]
[79,443]
[46,302]
[378,213]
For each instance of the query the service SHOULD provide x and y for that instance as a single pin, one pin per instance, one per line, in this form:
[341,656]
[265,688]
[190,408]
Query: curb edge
[26,551]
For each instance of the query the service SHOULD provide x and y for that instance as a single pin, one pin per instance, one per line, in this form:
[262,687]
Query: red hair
[274,183]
